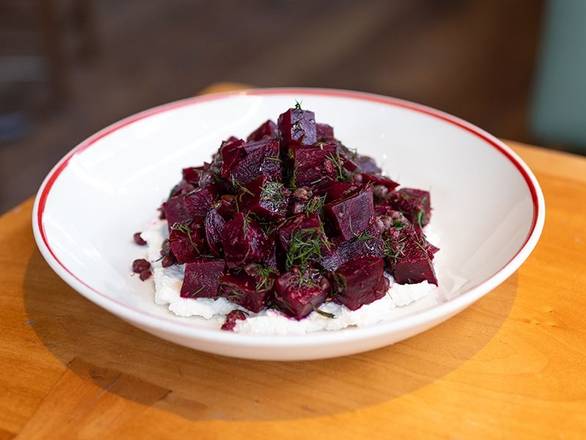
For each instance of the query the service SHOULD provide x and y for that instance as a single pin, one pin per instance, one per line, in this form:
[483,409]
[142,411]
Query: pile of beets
[291,218]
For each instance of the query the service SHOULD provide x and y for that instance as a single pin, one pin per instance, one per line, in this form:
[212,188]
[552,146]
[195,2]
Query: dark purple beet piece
[231,318]
[246,291]
[181,209]
[181,188]
[294,224]
[145,275]
[202,278]
[214,227]
[312,165]
[389,184]
[186,242]
[267,129]
[244,242]
[409,256]
[266,198]
[297,127]
[339,190]
[324,132]
[414,203]
[367,164]
[140,265]
[368,243]
[298,294]
[350,216]
[245,162]
[138,239]
[360,281]
[192,175]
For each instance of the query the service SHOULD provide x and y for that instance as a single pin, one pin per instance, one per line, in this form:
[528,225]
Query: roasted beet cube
[366,164]
[409,256]
[360,281]
[315,164]
[231,318]
[245,162]
[202,278]
[244,242]
[339,190]
[214,227]
[351,215]
[300,293]
[246,291]
[181,209]
[187,241]
[324,132]
[192,175]
[414,203]
[297,127]
[267,129]
[266,198]
[368,243]
[376,180]
[182,188]
[294,224]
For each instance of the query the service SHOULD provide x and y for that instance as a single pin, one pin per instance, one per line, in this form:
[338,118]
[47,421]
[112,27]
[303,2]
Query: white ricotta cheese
[167,282]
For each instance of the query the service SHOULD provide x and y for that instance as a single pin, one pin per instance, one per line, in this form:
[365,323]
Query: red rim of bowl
[45,189]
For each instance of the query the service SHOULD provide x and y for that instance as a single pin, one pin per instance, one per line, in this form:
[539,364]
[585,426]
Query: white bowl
[488,207]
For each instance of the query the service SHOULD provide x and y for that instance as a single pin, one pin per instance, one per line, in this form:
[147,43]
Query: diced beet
[409,256]
[324,132]
[414,203]
[367,243]
[266,198]
[245,162]
[214,227]
[367,164]
[181,209]
[312,165]
[231,318]
[226,206]
[145,275]
[192,175]
[389,184]
[182,188]
[339,190]
[202,278]
[351,215]
[297,127]
[360,281]
[140,265]
[244,242]
[187,242]
[138,239]
[267,129]
[294,224]
[298,294]
[246,291]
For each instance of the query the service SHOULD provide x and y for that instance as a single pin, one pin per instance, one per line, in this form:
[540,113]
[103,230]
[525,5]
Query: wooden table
[511,366]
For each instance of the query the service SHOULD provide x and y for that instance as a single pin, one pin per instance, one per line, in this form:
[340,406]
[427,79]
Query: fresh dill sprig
[420,215]
[336,161]
[264,277]
[185,229]
[298,105]
[315,205]
[364,236]
[273,192]
[325,314]
[304,248]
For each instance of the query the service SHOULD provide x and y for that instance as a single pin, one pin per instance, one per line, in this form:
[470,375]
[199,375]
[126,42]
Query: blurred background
[70,67]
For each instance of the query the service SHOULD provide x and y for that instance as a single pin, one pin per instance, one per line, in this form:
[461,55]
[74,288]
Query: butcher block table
[511,366]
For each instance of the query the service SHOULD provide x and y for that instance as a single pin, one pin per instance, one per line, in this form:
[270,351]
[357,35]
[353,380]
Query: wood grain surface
[511,366]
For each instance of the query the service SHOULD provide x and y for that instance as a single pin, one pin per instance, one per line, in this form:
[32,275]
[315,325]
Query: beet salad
[288,223]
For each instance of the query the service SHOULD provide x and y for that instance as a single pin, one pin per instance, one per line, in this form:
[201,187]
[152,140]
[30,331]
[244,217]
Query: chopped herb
[264,277]
[304,248]
[336,160]
[315,205]
[238,186]
[298,105]
[325,314]
[364,236]
[420,215]
[185,229]
[394,252]
[273,192]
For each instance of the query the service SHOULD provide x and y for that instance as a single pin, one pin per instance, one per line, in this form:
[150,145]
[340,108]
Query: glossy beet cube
[181,209]
[267,129]
[360,281]
[366,164]
[243,163]
[298,294]
[187,242]
[266,198]
[246,291]
[202,278]
[339,190]
[214,228]
[294,224]
[232,318]
[324,132]
[182,188]
[193,174]
[244,242]
[315,164]
[409,256]
[297,128]
[351,215]
[368,243]
[414,203]
[375,180]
